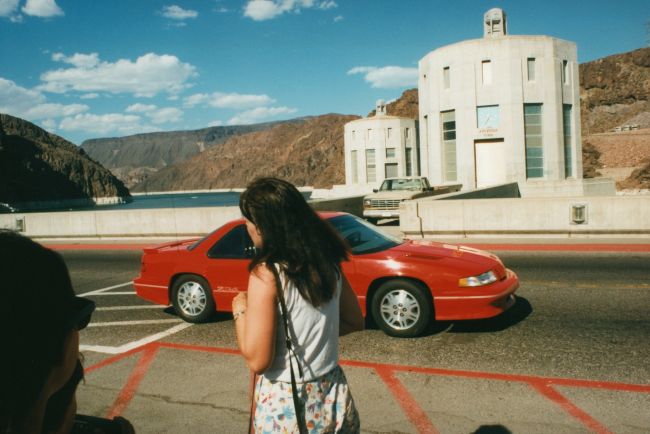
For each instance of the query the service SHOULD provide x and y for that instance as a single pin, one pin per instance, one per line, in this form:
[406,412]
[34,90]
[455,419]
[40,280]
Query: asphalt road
[579,316]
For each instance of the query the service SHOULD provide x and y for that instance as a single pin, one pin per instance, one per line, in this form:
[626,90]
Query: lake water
[175,200]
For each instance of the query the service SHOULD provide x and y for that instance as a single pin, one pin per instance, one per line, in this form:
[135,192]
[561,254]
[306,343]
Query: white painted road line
[99,291]
[129,323]
[114,293]
[147,306]
[135,344]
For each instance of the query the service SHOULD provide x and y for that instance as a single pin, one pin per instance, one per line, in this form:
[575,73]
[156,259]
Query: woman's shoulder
[263,272]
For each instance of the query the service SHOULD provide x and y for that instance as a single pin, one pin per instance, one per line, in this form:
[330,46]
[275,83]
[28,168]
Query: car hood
[433,250]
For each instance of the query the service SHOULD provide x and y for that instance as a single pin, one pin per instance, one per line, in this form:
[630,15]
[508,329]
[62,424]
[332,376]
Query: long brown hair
[294,236]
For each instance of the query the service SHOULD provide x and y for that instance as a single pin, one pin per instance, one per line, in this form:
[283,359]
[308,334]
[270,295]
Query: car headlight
[367,203]
[480,280]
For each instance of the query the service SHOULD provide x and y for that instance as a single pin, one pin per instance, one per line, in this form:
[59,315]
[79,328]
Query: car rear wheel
[192,298]
[401,308]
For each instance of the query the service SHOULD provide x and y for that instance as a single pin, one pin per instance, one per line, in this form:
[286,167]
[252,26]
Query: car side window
[236,244]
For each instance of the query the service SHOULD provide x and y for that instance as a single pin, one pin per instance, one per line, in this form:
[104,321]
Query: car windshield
[400,184]
[362,237]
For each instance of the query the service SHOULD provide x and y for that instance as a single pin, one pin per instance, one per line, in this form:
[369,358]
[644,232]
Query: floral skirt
[328,404]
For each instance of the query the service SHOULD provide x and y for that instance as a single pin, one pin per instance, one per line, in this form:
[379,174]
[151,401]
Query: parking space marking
[115,293]
[122,349]
[101,291]
[130,323]
[417,416]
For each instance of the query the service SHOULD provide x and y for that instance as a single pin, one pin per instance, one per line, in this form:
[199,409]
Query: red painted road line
[569,407]
[409,405]
[98,246]
[128,391]
[198,348]
[642,388]
[111,360]
[564,247]
[500,247]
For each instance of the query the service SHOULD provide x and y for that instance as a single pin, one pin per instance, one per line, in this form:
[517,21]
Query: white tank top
[314,332]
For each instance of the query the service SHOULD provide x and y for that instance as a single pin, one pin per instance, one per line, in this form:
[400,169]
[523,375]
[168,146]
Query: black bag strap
[300,411]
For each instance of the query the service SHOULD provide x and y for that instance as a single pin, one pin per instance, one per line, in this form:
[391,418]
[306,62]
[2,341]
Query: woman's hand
[240,302]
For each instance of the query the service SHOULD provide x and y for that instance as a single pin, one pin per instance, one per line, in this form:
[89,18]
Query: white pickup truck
[384,202]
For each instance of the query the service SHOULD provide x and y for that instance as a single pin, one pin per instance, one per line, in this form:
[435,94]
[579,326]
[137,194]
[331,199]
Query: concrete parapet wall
[604,215]
[167,222]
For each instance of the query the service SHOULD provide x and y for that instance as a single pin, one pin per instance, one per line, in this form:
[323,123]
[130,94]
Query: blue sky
[104,68]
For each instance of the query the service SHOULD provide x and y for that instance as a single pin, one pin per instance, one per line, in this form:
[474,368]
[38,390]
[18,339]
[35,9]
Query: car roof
[322,214]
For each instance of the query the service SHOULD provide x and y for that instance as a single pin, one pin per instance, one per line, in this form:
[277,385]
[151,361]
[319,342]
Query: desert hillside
[39,166]
[305,152]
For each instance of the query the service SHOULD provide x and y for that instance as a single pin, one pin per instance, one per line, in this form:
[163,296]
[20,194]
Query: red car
[404,284]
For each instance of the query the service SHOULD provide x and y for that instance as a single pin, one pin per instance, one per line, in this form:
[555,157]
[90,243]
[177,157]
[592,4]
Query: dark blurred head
[38,309]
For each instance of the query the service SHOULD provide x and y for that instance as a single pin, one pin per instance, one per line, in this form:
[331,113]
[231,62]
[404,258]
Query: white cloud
[387,76]
[165,115]
[216,123]
[112,123]
[338,18]
[262,10]
[155,114]
[49,124]
[175,12]
[259,114]
[235,101]
[42,8]
[79,60]
[31,104]
[8,7]
[149,75]
[89,96]
[52,110]
[140,108]
[327,4]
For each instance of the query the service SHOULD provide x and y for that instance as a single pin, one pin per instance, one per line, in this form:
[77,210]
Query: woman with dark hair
[295,274]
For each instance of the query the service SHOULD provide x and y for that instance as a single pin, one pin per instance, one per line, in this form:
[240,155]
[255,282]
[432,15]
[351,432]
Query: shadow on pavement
[492,429]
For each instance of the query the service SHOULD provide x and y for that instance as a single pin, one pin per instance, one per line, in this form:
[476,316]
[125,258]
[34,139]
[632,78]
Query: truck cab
[384,201]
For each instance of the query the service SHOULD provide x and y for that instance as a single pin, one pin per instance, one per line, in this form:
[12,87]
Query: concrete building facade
[500,109]
[380,147]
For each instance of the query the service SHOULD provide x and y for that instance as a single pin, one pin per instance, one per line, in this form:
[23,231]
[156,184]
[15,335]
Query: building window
[368,135]
[449,145]
[391,170]
[390,152]
[566,123]
[445,78]
[486,72]
[534,148]
[531,68]
[487,117]
[407,133]
[408,155]
[388,131]
[354,167]
[565,72]
[353,135]
[371,175]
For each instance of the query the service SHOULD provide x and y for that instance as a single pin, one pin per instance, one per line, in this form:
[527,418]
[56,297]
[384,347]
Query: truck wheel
[401,308]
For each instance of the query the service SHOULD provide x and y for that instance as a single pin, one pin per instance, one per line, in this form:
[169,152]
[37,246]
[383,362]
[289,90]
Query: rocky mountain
[38,166]
[406,105]
[615,91]
[303,151]
[133,158]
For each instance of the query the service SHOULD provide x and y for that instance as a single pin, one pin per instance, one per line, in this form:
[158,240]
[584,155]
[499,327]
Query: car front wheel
[192,299]
[401,308]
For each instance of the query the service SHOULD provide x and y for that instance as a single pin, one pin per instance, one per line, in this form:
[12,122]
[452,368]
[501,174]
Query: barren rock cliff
[305,152]
[39,166]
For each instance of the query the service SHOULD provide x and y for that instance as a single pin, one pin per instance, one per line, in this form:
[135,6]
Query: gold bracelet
[237,314]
